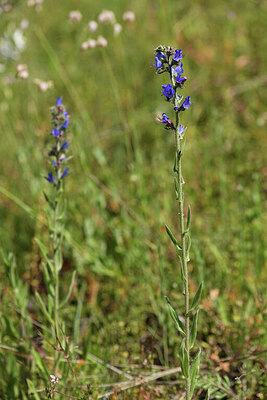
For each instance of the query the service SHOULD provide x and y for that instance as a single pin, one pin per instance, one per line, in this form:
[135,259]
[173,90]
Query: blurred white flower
[23,74]
[5,7]
[117,29]
[75,16]
[24,24]
[91,43]
[19,40]
[37,3]
[92,25]
[22,71]
[21,67]
[43,86]
[129,16]
[84,45]
[101,41]
[106,17]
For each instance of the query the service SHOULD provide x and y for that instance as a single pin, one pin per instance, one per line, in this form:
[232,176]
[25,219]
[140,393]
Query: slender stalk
[180,182]
[56,243]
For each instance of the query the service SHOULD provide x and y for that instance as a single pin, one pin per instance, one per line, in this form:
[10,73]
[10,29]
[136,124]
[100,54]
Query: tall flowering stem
[59,170]
[168,60]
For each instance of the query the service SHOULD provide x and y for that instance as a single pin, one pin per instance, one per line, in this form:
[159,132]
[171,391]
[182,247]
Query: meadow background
[120,194]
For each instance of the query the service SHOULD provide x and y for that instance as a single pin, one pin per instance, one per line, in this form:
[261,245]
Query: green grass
[120,192]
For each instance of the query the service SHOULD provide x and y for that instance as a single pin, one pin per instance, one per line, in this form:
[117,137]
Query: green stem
[56,245]
[183,242]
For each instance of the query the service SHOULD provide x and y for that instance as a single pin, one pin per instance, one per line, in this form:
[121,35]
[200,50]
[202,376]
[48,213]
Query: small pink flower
[53,379]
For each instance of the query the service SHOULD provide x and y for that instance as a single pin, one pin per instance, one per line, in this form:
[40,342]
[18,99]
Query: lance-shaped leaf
[32,390]
[188,222]
[186,364]
[193,331]
[208,394]
[43,308]
[58,259]
[50,202]
[188,248]
[171,236]
[182,269]
[176,188]
[45,254]
[194,373]
[176,319]
[48,280]
[69,291]
[181,356]
[197,297]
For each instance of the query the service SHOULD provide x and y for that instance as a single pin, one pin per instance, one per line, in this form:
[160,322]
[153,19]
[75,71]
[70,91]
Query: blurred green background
[120,187]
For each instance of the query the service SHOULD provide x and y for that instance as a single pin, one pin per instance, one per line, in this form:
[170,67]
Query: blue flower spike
[60,123]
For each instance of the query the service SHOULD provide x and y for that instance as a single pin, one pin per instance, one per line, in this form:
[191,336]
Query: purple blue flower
[179,69]
[166,120]
[65,145]
[160,58]
[180,79]
[187,103]
[50,178]
[65,124]
[181,129]
[177,55]
[59,101]
[64,173]
[55,132]
[168,91]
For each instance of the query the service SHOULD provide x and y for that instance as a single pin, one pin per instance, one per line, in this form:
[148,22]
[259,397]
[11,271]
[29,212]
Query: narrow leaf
[181,356]
[45,254]
[43,308]
[40,363]
[51,204]
[188,248]
[193,331]
[32,391]
[182,269]
[186,363]
[171,236]
[208,395]
[58,259]
[176,319]
[176,188]
[194,373]
[64,301]
[197,297]
[48,281]
[188,223]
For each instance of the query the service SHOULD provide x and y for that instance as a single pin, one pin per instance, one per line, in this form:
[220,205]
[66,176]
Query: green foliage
[119,191]
[174,315]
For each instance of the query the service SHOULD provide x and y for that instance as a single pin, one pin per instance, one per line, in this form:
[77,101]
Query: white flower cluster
[22,71]
[5,7]
[35,3]
[105,17]
[75,16]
